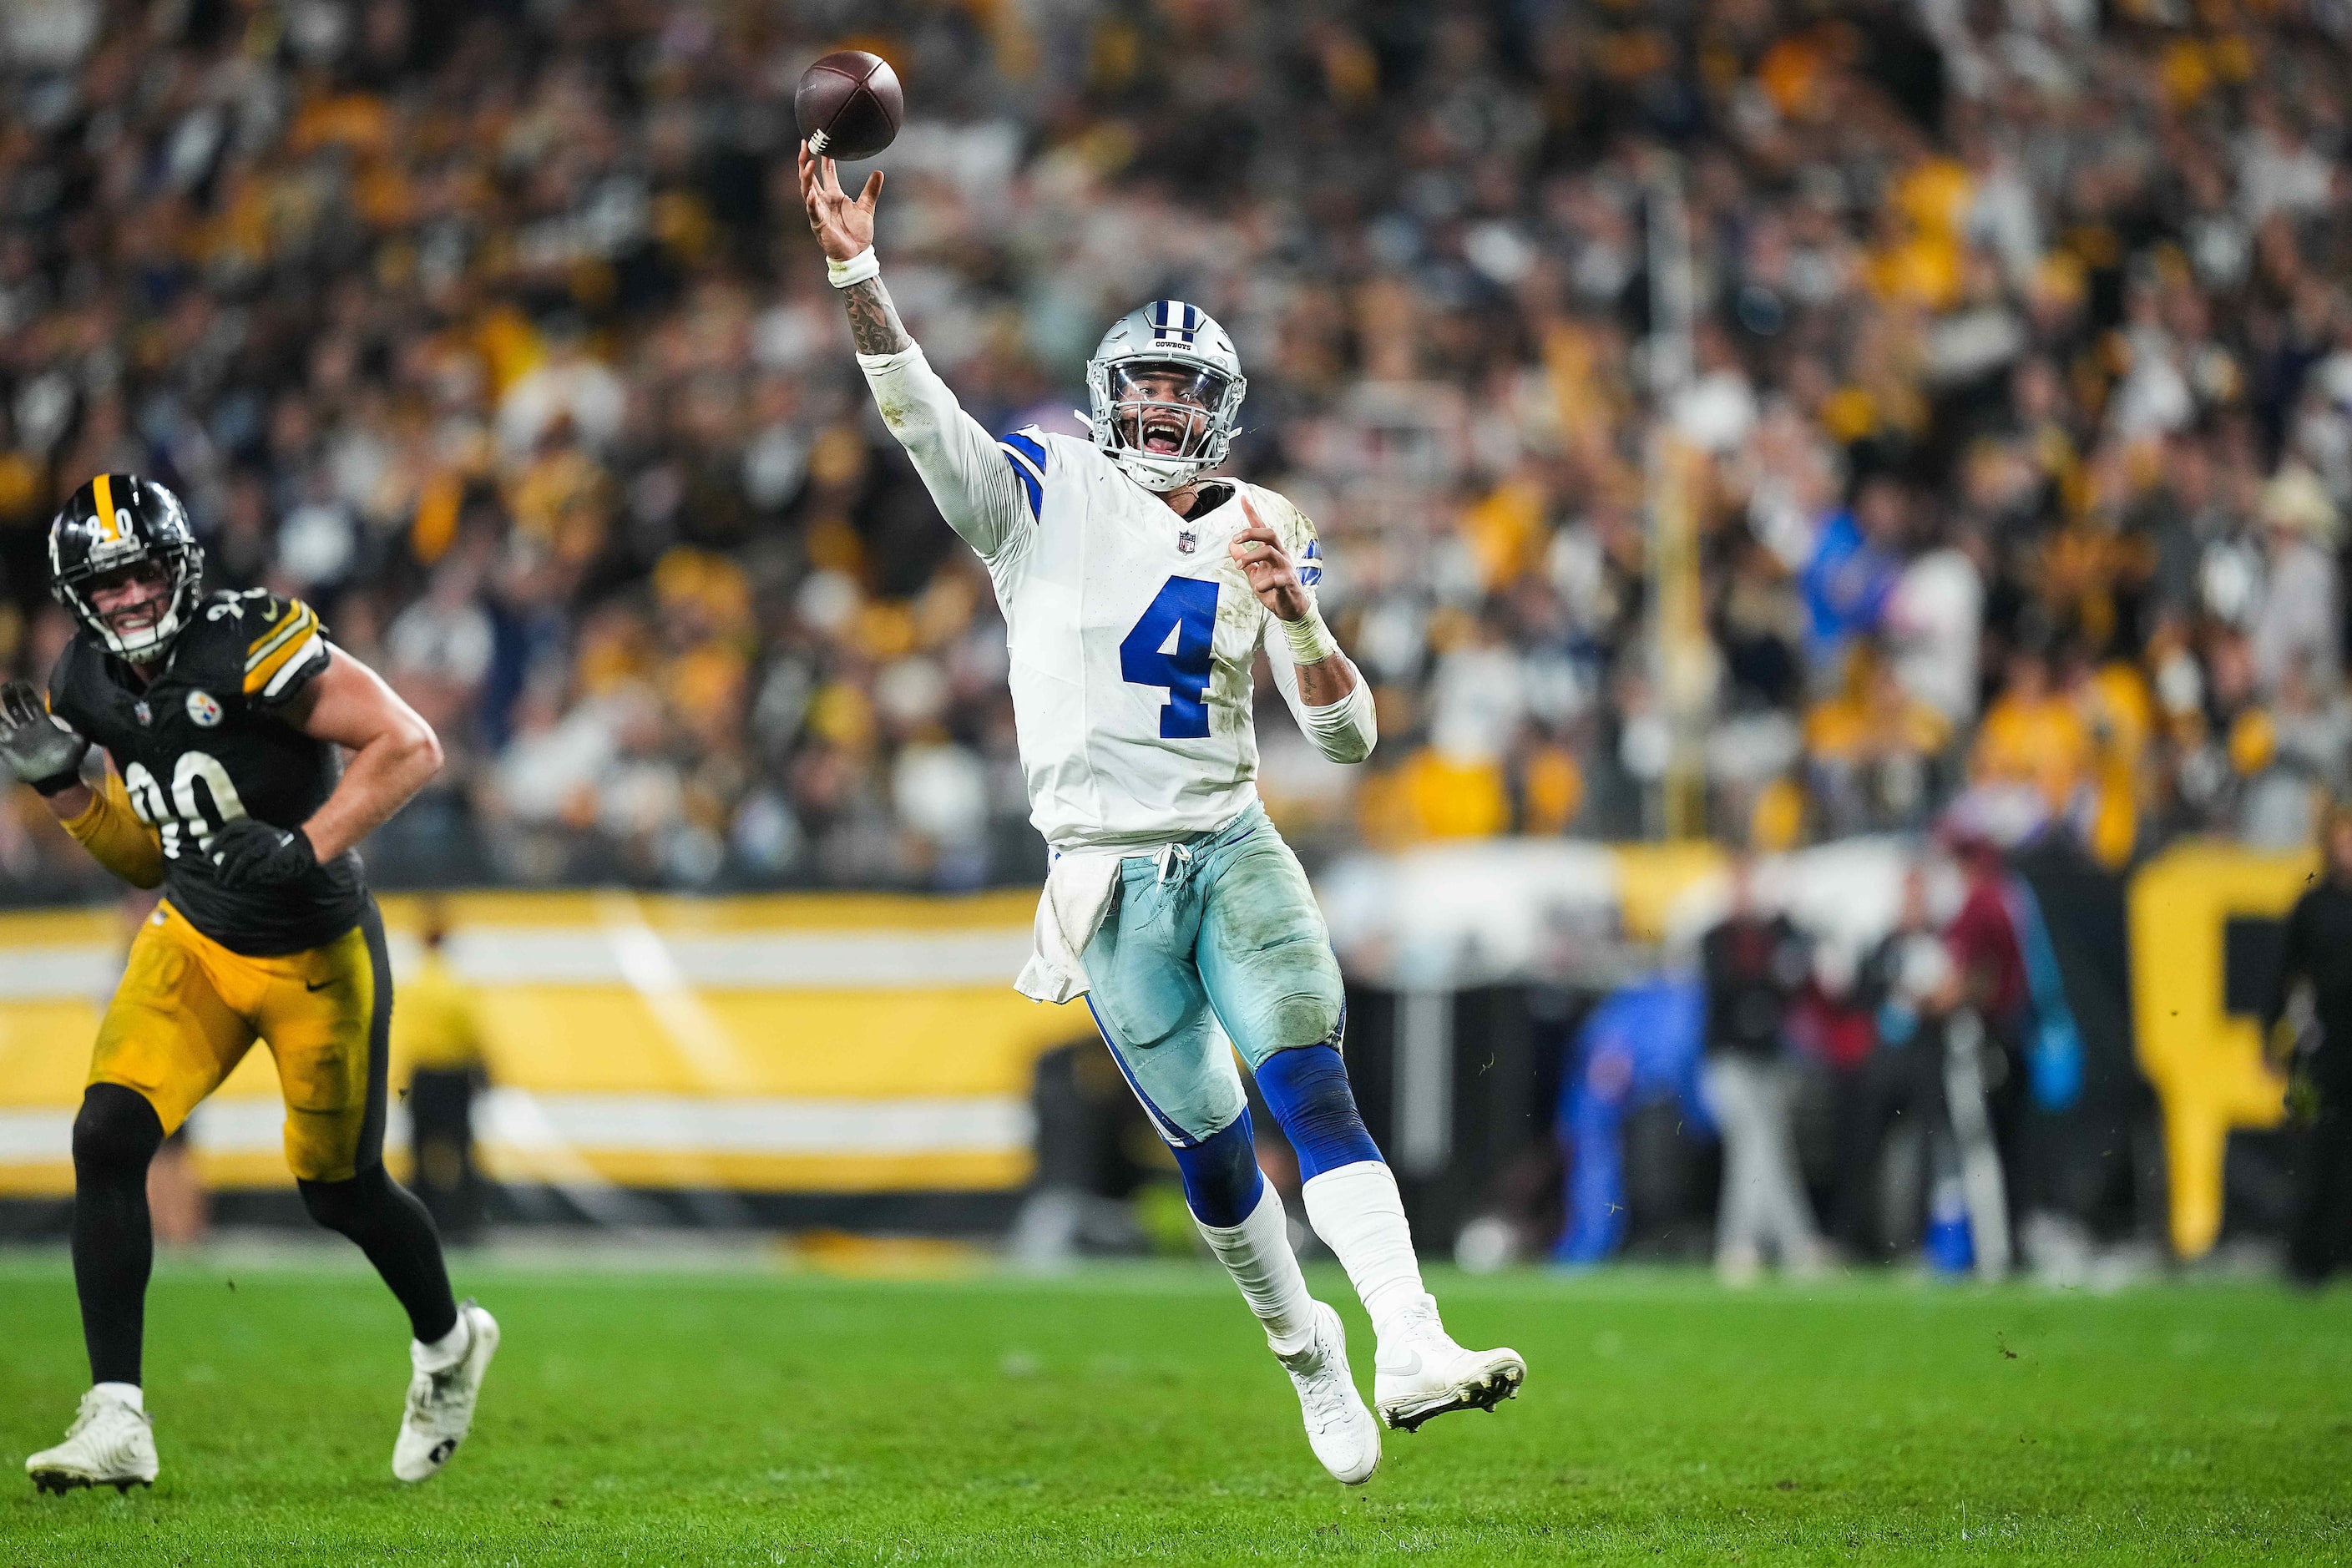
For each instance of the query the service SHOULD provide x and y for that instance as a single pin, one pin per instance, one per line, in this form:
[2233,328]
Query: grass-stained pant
[1222,929]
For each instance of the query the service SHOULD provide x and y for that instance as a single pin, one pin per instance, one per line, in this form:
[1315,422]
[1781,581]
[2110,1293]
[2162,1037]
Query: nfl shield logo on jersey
[203,709]
[1185,539]
[142,710]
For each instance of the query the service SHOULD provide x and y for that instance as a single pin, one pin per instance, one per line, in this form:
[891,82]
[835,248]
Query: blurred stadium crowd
[2022,378]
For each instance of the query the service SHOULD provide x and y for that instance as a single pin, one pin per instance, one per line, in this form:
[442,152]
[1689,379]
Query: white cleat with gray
[1339,1428]
[110,1444]
[441,1397]
[1419,1372]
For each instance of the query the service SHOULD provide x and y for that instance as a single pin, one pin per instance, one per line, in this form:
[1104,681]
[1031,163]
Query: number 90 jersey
[203,743]
[1133,635]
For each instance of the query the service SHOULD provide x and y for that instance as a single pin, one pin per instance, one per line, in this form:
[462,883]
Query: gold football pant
[188,1009]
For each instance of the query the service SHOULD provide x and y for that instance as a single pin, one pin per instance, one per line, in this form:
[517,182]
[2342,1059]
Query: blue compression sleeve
[1307,1088]
[1221,1176]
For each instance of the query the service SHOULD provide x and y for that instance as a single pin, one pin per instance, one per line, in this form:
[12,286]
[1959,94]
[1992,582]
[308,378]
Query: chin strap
[152,653]
[1148,473]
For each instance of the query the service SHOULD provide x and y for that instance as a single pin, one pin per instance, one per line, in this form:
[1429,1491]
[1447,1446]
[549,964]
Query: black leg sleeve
[115,1136]
[392,1228]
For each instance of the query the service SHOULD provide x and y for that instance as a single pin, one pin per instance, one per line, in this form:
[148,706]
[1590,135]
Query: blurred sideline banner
[851,1044]
[819,1044]
[816,1043]
[2182,1001]
[2205,927]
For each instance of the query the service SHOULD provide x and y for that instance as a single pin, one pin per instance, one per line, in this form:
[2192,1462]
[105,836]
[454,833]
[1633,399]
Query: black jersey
[202,744]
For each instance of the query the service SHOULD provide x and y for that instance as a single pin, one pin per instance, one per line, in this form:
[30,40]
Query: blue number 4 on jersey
[1171,647]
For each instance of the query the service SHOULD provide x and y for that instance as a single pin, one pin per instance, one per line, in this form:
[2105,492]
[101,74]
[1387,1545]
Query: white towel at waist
[1078,891]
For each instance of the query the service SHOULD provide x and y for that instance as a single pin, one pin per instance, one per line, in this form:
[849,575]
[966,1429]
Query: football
[848,105]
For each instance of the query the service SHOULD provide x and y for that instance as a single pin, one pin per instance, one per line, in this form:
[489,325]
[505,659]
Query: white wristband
[1310,640]
[856,270]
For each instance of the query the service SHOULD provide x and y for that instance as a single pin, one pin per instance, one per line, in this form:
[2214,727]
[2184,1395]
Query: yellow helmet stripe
[105,487]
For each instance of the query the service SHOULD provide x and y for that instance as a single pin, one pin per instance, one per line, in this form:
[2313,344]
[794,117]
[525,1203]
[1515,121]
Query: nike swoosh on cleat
[1410,1366]
[322,985]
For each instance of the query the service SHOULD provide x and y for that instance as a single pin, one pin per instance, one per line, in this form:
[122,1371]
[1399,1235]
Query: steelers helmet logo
[203,709]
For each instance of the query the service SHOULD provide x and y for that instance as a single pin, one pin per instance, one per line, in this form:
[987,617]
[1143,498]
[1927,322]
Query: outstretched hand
[37,747]
[843,225]
[1257,550]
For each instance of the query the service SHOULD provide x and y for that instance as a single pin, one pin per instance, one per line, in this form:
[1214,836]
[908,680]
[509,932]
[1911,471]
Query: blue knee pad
[1307,1088]
[1222,1183]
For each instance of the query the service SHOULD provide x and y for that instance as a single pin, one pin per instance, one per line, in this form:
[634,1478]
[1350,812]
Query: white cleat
[441,1403]
[1419,1372]
[1339,1428]
[109,1445]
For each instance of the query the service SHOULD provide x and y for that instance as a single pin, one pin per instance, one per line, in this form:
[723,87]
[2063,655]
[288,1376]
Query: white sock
[1358,1213]
[1257,1254]
[445,1351]
[126,1392]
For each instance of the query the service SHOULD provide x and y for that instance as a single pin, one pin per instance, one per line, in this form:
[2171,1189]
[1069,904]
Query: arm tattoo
[873,320]
[1325,680]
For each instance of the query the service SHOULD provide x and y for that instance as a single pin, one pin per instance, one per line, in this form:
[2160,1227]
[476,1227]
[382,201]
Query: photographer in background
[1902,1078]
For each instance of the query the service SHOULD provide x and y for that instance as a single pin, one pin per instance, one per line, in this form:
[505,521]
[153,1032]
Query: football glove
[39,748]
[249,854]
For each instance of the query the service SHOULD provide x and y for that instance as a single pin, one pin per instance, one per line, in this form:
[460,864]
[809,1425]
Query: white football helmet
[1163,436]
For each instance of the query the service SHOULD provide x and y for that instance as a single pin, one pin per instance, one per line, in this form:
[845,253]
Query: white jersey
[1132,632]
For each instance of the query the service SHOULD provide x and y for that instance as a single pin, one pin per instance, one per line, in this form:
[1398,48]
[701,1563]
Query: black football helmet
[117,520]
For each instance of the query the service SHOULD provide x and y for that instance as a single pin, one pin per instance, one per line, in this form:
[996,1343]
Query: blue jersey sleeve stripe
[1036,491]
[1028,446]
[1028,466]
[1310,575]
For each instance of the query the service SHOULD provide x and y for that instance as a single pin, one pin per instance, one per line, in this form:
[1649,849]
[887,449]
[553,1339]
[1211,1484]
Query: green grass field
[1133,1415]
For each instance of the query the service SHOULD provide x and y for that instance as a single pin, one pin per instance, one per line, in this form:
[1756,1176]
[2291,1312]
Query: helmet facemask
[143,525]
[1168,421]
[136,644]
[1165,389]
